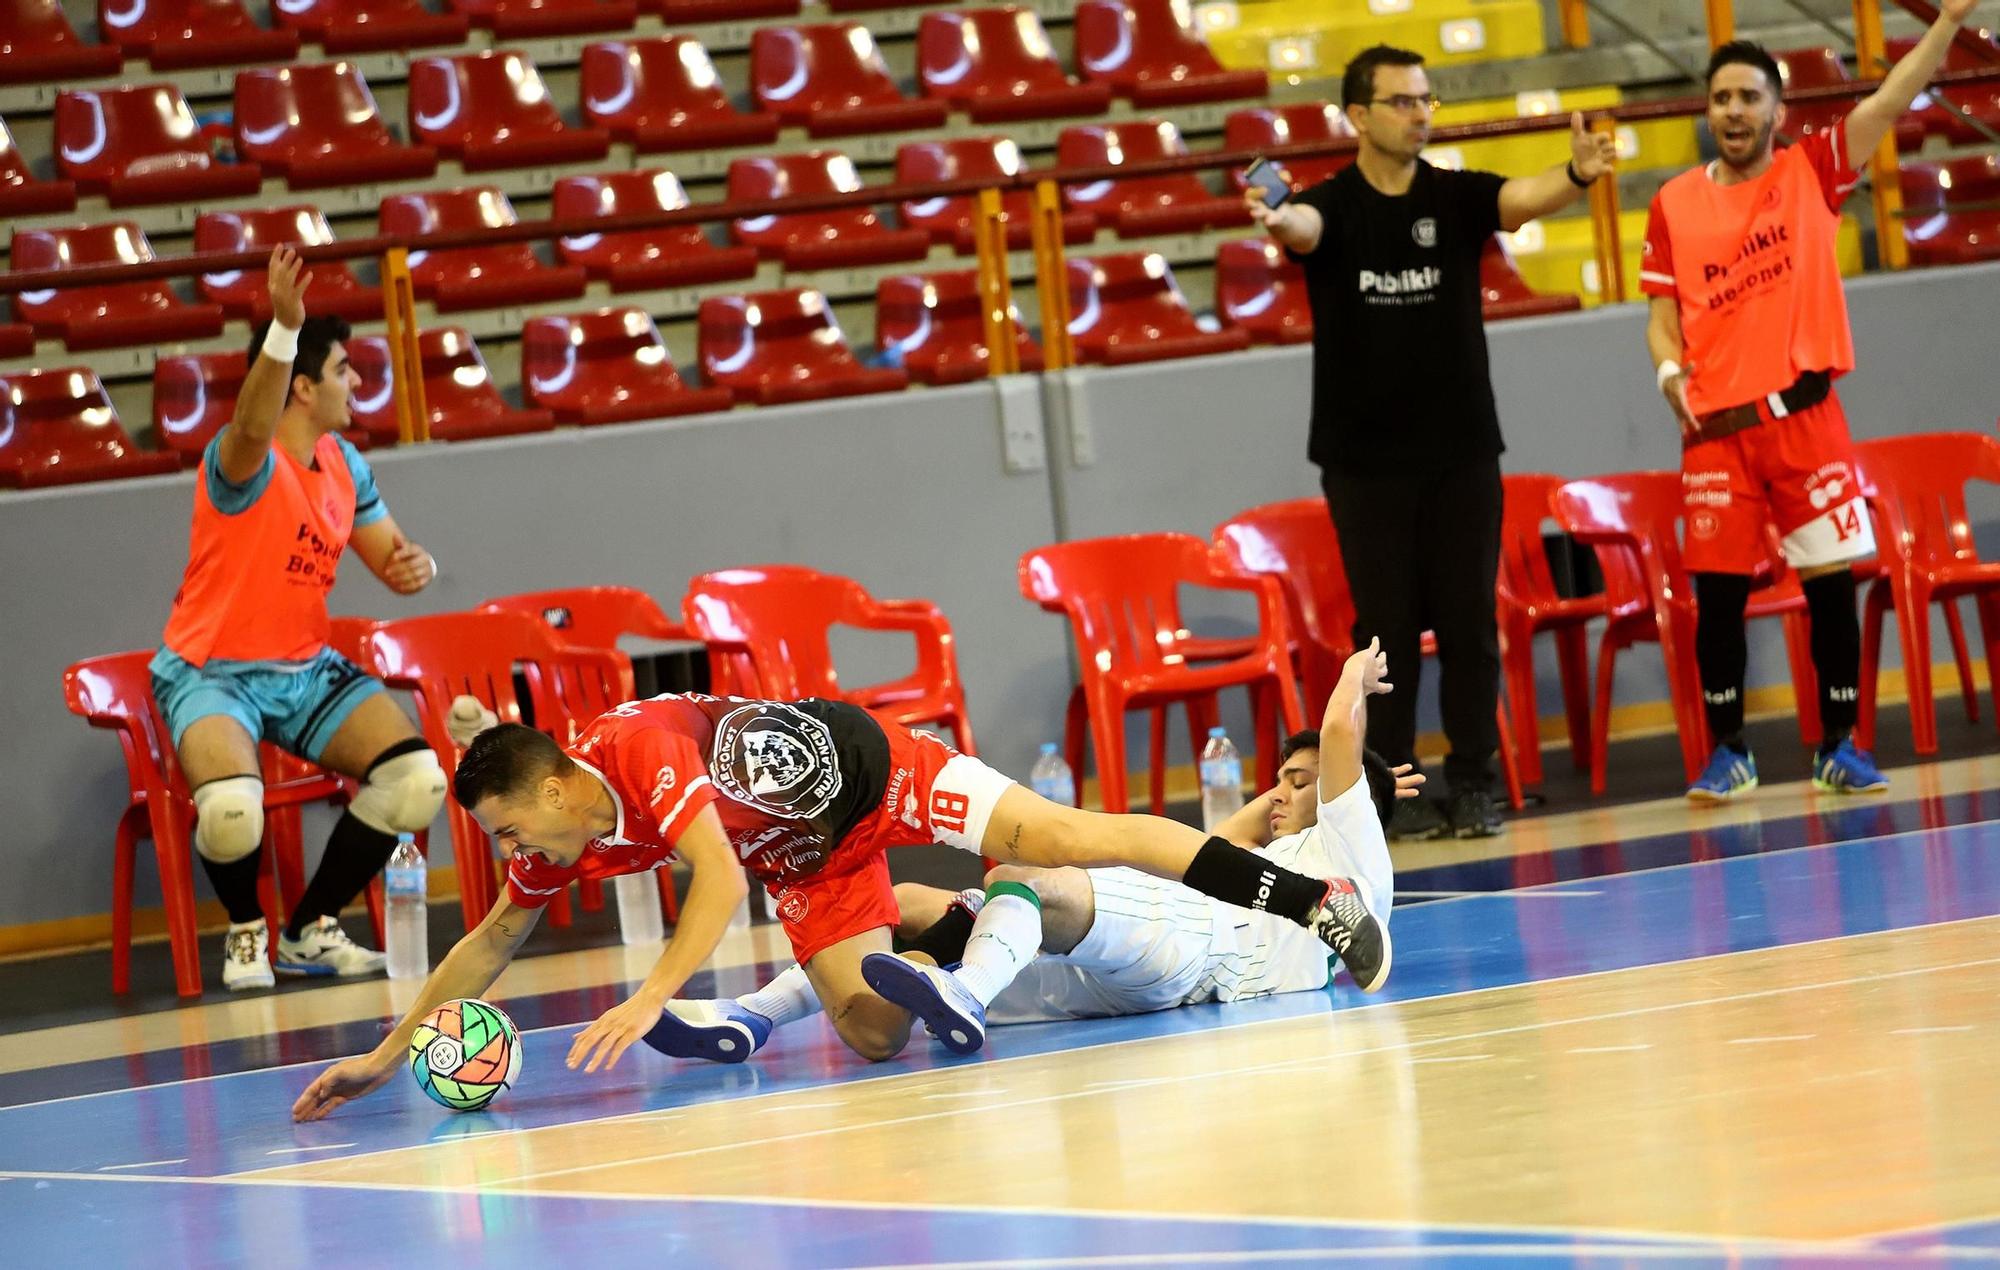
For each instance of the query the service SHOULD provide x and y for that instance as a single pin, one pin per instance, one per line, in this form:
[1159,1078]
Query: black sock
[945,939]
[355,853]
[1224,871]
[1721,650]
[1836,652]
[235,885]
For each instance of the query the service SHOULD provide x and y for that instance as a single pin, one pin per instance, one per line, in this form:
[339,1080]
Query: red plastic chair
[691,12]
[936,326]
[1294,123]
[642,260]
[1259,291]
[1812,68]
[1929,557]
[245,293]
[599,616]
[474,277]
[998,65]
[108,316]
[20,193]
[464,404]
[39,46]
[1294,542]
[830,79]
[372,405]
[1937,231]
[540,19]
[609,366]
[57,427]
[193,399]
[837,238]
[318,127]
[950,219]
[1137,207]
[1530,605]
[1127,308]
[1122,598]
[492,110]
[369,26]
[140,145]
[664,94]
[115,691]
[1503,293]
[1929,118]
[16,340]
[776,346]
[183,33]
[781,615]
[1149,51]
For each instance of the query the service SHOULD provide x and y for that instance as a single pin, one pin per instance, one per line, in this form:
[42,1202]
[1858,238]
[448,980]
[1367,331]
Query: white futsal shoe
[1343,923]
[936,996]
[246,957]
[323,948]
[719,1031]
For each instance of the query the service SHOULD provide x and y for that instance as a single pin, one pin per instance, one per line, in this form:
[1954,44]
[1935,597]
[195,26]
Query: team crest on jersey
[1425,232]
[793,906]
[777,759]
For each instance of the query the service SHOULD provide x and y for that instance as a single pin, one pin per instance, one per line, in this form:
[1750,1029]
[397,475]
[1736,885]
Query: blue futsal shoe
[952,1014]
[719,1031]
[1727,775]
[1847,769]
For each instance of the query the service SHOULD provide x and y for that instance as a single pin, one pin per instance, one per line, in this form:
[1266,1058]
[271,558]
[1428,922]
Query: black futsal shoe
[1474,814]
[1417,820]
[1343,923]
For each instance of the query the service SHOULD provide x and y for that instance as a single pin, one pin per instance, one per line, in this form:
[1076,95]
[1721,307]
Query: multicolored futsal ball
[464,1053]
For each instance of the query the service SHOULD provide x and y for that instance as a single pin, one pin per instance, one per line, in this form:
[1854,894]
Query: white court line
[1609,1049]
[969,1093]
[143,1164]
[331,1146]
[1524,894]
[794,1106]
[1452,1058]
[1406,1252]
[1771,1040]
[1926,1031]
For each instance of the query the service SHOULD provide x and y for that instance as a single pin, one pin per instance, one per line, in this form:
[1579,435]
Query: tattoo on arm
[1014,843]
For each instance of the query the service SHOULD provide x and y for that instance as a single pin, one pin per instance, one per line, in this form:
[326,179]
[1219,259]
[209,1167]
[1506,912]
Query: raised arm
[1592,154]
[246,440]
[1870,121]
[1344,730]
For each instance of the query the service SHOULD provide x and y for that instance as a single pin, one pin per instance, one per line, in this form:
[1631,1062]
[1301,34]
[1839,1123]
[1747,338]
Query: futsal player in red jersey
[1748,331]
[806,796]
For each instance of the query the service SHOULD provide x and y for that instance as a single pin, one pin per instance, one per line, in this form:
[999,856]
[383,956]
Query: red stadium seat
[830,79]
[17,339]
[1149,51]
[1812,68]
[1295,123]
[539,19]
[464,404]
[113,315]
[1258,290]
[181,33]
[317,126]
[936,326]
[998,64]
[39,46]
[1135,207]
[474,277]
[57,427]
[1127,308]
[643,259]
[1939,233]
[369,26]
[140,145]
[777,346]
[816,240]
[372,406]
[1503,293]
[20,193]
[664,95]
[1929,118]
[193,398]
[950,219]
[691,12]
[244,293]
[606,367]
[492,110]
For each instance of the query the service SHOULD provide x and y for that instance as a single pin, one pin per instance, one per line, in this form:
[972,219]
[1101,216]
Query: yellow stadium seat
[1663,143]
[1311,38]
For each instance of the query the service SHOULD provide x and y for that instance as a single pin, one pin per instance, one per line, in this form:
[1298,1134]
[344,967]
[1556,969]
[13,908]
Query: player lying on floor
[1112,940]
[807,795]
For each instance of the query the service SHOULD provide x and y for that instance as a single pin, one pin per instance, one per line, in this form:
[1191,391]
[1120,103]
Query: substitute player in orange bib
[1748,331]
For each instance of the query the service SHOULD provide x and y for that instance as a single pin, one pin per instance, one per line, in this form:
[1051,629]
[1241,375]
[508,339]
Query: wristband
[1569,170]
[281,343]
[434,563]
[1667,370]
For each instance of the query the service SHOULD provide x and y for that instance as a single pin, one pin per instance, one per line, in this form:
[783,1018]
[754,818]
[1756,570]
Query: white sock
[1006,937]
[786,999]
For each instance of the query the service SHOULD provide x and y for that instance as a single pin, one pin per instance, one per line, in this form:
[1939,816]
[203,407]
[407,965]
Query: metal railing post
[1886,173]
[1604,228]
[1575,15]
[1052,277]
[406,362]
[996,299]
[1722,21]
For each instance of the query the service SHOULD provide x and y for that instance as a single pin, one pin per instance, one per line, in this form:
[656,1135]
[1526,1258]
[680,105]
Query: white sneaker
[246,957]
[323,948]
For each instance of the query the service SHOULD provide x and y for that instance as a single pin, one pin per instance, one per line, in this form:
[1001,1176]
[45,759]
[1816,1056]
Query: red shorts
[934,795]
[1797,473]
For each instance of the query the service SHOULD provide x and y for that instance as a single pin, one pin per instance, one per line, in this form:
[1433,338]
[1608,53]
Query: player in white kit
[1116,941]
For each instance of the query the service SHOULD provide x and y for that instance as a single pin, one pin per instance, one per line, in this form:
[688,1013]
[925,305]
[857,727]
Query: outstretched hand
[340,1083]
[1957,11]
[1262,214]
[606,1040]
[289,279]
[1409,781]
[1594,154]
[1373,664]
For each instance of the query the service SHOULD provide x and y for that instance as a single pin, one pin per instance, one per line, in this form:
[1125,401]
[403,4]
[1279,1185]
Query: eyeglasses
[1405,104]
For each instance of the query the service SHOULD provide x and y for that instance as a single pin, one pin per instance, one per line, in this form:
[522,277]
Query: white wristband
[1667,370]
[434,563]
[281,343]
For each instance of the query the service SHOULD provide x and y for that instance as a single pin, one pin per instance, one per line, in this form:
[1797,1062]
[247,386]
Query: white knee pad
[229,818]
[402,795]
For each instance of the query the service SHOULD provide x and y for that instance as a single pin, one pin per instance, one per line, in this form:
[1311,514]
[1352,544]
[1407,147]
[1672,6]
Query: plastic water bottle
[1221,780]
[639,920]
[408,912]
[1051,777]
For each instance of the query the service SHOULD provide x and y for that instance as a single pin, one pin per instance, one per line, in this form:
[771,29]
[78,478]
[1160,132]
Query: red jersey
[788,779]
[1755,269]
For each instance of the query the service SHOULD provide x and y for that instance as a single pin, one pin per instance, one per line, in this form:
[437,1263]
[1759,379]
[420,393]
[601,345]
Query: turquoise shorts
[295,705]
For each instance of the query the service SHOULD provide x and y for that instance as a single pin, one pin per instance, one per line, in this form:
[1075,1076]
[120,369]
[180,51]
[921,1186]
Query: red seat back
[58,427]
[193,398]
[470,208]
[372,406]
[622,194]
[1129,42]
[1294,123]
[1812,68]
[1121,595]
[796,72]
[290,118]
[1258,289]
[1919,485]
[38,45]
[70,309]
[460,392]
[936,320]
[592,367]
[596,616]
[109,134]
[1116,144]
[1505,293]
[978,53]
[116,691]
[366,25]
[959,159]
[780,614]
[635,86]
[491,98]
[798,176]
[1637,514]
[248,291]
[191,32]
[1126,298]
[1294,542]
[771,337]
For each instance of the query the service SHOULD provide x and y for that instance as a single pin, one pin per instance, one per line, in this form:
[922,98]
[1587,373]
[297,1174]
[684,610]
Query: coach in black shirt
[1403,423]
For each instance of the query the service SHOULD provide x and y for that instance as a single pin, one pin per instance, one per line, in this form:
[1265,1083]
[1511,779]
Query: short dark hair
[1745,53]
[1305,739]
[505,762]
[1381,784]
[316,339]
[1357,82]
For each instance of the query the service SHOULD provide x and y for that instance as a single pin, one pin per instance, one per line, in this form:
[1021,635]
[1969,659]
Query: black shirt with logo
[1400,380]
